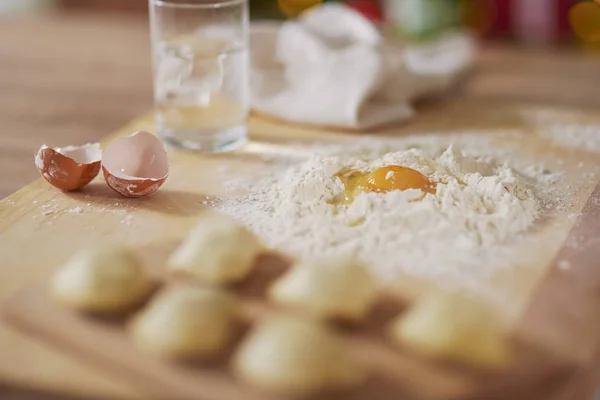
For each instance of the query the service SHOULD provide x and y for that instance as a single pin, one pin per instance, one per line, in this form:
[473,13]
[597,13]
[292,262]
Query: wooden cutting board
[554,309]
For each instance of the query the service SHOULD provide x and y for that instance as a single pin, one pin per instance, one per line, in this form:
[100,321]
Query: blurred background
[528,21]
[73,71]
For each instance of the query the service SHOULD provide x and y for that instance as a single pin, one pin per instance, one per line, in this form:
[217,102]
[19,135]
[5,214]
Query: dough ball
[455,327]
[107,279]
[327,288]
[219,250]
[295,357]
[185,321]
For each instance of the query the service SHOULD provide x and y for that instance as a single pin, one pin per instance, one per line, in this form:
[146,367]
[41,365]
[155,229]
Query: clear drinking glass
[200,59]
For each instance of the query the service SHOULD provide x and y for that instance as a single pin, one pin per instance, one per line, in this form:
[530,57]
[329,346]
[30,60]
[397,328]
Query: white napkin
[331,67]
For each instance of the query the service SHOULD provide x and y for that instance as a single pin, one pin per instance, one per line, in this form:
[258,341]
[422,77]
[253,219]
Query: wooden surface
[72,79]
[537,374]
[163,219]
[67,79]
[534,374]
[138,6]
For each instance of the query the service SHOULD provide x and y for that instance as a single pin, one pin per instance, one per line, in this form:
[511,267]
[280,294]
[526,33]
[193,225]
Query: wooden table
[67,79]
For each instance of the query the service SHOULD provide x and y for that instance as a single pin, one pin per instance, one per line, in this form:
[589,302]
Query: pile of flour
[450,237]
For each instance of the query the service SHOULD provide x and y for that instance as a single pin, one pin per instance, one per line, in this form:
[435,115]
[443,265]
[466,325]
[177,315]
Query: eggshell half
[71,167]
[135,165]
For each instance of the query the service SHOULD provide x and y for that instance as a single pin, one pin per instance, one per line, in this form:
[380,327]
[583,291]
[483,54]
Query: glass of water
[200,60]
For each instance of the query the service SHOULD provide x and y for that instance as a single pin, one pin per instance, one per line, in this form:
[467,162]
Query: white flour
[583,136]
[565,128]
[449,237]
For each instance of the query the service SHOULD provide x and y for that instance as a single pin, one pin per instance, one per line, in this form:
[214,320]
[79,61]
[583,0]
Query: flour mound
[479,204]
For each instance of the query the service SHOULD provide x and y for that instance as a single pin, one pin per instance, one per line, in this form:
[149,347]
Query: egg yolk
[395,177]
[383,180]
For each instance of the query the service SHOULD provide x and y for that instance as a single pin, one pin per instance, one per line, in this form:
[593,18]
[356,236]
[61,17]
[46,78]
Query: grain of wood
[67,79]
[51,91]
[74,78]
[159,221]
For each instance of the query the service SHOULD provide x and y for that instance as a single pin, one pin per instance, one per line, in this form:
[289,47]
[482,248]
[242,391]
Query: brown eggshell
[135,165]
[69,168]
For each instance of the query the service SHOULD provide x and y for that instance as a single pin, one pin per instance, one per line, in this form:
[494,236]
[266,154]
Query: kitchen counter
[74,78]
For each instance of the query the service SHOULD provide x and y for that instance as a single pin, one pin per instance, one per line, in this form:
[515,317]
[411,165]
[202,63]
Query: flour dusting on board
[575,135]
[565,128]
[481,202]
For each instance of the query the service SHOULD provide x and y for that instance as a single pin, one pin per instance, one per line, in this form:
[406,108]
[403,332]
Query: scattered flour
[582,136]
[574,216]
[128,220]
[48,208]
[548,115]
[74,210]
[564,126]
[449,237]
[223,168]
[564,265]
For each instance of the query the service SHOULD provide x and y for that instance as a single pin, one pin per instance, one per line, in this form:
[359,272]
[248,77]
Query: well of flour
[479,204]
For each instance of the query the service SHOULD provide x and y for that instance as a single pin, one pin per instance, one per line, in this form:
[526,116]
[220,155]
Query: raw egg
[396,177]
[135,165]
[71,167]
[383,180]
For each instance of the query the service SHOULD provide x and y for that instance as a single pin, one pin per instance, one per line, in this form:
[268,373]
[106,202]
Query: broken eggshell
[135,165]
[71,167]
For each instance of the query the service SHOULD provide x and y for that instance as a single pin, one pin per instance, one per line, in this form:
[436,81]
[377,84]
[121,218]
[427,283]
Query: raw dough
[107,279]
[185,321]
[218,251]
[295,357]
[335,287]
[455,327]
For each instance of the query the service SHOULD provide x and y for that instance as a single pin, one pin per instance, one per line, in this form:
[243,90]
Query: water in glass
[201,91]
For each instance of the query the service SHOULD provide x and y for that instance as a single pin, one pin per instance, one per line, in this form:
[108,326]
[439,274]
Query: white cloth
[332,67]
